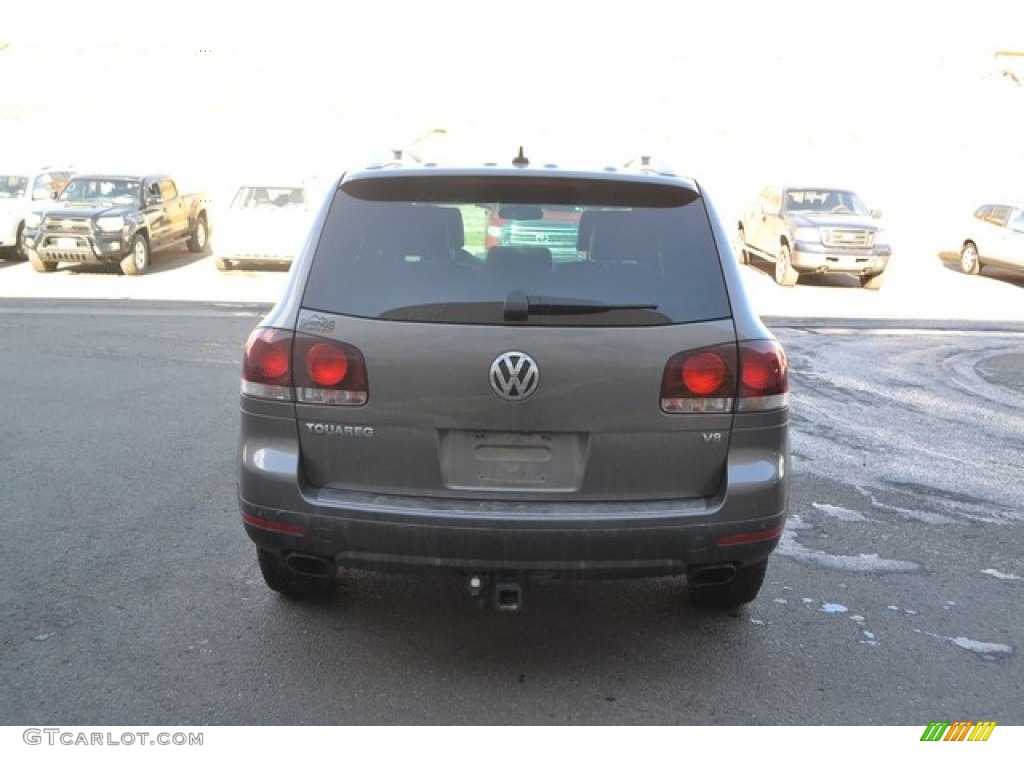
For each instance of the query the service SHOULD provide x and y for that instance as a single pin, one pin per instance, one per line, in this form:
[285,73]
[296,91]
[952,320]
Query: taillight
[329,372]
[704,373]
[750,376]
[326,364]
[700,381]
[764,376]
[266,364]
[283,365]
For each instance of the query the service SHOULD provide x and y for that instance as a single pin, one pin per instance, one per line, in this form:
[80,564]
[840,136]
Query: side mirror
[875,213]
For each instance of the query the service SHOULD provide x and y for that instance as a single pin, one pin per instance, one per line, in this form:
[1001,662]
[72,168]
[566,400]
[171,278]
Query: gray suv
[417,401]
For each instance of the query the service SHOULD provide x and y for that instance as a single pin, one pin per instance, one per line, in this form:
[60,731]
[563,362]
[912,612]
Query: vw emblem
[514,376]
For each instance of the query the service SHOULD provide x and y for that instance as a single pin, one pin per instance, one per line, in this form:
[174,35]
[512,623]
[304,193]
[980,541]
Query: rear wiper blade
[519,306]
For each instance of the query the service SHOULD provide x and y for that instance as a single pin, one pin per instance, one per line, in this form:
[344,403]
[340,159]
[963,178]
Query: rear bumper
[555,546]
[740,525]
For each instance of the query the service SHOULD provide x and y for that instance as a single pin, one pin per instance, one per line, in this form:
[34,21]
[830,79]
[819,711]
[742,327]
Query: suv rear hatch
[503,373]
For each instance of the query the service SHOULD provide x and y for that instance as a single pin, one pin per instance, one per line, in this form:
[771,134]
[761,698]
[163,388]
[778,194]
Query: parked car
[21,192]
[264,224]
[410,405]
[118,219]
[995,235]
[556,231]
[808,230]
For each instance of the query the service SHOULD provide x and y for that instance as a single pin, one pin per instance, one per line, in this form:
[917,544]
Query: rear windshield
[493,251]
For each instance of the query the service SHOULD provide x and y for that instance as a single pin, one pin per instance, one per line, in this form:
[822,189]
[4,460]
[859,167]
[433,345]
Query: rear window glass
[269,197]
[533,251]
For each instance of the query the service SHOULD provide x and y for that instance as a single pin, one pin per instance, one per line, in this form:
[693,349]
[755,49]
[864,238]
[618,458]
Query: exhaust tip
[310,565]
[712,574]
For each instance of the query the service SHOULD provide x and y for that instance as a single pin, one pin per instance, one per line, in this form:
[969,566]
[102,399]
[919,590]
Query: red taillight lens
[764,376]
[326,364]
[267,356]
[700,381]
[704,373]
[266,364]
[329,372]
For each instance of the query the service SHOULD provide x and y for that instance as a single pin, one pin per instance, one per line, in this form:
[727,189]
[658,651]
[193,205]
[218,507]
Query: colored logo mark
[959,730]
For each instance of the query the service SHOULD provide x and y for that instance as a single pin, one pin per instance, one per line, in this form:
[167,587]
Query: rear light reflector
[748,538]
[284,365]
[273,525]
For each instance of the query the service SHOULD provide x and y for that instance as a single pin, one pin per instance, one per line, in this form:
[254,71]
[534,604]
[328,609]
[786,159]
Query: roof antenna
[520,160]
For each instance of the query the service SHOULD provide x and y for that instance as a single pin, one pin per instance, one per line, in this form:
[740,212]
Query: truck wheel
[222,264]
[197,241]
[281,579]
[872,282]
[784,272]
[136,262]
[970,262]
[41,266]
[740,245]
[742,589]
[19,243]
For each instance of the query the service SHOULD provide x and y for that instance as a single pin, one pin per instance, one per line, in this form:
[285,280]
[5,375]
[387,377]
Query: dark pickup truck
[117,219]
[808,230]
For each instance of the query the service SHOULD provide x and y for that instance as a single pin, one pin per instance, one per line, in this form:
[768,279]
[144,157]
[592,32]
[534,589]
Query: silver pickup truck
[119,219]
[807,230]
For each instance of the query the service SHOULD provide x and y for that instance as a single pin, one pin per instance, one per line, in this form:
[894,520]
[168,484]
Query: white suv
[21,192]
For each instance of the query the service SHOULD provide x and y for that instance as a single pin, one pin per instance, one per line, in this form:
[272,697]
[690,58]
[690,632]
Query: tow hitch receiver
[502,593]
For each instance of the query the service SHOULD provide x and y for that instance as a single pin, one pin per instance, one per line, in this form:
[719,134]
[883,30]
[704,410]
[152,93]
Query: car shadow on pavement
[822,280]
[163,261]
[566,628]
[951,261]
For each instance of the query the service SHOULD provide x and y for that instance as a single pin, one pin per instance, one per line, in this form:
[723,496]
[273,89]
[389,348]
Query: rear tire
[872,282]
[281,579]
[740,246]
[41,266]
[785,275]
[19,251]
[741,590]
[200,236]
[137,261]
